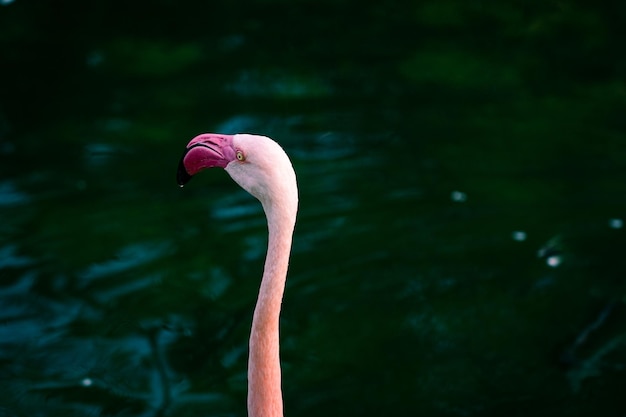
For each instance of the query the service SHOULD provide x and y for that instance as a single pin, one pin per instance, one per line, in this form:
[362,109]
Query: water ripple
[10,195]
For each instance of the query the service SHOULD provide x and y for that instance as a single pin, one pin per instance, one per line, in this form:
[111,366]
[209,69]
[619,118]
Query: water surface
[459,245]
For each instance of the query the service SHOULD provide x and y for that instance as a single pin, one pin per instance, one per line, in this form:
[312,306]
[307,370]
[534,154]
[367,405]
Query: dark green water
[460,244]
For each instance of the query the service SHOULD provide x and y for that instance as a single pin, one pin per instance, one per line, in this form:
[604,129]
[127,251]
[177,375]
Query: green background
[460,244]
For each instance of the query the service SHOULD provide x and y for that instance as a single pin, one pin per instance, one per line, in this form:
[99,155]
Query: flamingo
[262,168]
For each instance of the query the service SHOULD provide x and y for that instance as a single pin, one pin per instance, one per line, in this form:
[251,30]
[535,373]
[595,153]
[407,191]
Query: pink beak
[207,150]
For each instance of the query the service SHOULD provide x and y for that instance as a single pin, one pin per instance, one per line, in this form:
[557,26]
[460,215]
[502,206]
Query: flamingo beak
[205,151]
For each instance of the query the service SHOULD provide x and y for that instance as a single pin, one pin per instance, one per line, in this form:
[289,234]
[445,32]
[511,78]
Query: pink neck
[264,379]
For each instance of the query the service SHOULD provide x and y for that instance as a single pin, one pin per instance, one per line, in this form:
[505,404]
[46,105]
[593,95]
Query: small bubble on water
[86,382]
[519,235]
[458,196]
[553,261]
[616,223]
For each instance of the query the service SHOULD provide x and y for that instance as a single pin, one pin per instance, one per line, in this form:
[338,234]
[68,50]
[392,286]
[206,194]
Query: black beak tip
[182,176]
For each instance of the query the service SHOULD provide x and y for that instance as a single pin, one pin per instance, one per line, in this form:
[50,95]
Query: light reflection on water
[10,259]
[11,195]
[128,257]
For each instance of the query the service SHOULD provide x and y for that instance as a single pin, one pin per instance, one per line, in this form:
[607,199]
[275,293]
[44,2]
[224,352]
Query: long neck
[264,386]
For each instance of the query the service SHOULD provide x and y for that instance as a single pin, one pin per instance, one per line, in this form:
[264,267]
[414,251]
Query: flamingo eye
[240,156]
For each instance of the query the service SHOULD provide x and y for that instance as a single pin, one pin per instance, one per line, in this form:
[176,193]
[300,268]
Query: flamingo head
[257,163]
